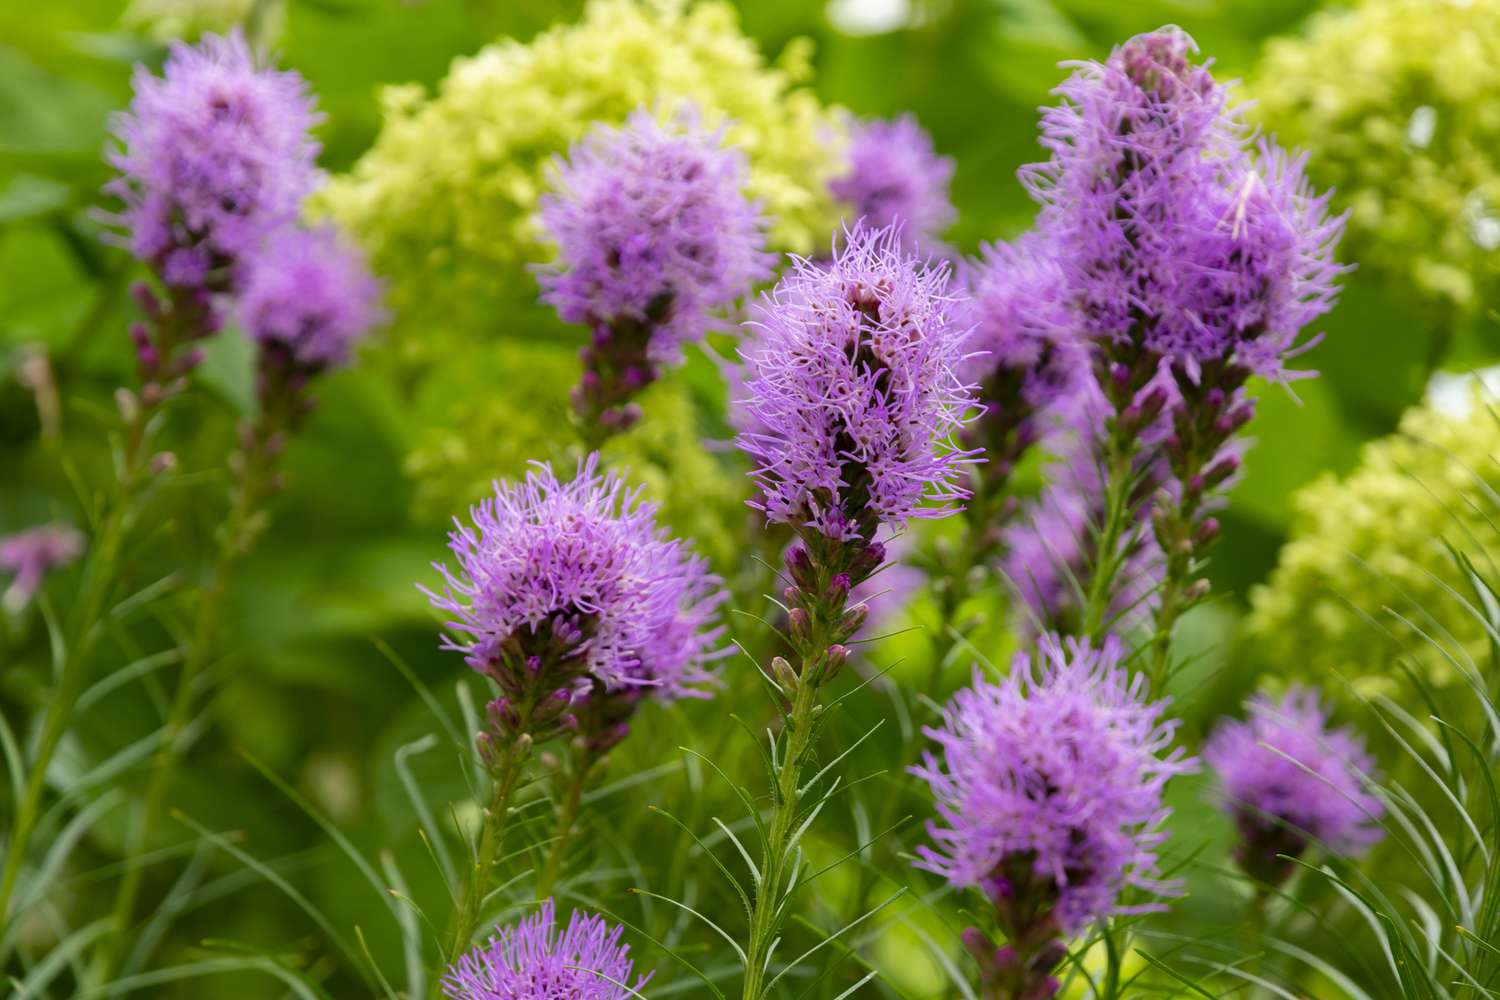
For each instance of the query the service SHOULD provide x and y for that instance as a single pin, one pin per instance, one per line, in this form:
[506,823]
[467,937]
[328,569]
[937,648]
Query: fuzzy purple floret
[28,556]
[895,176]
[310,293]
[852,391]
[1064,763]
[1285,764]
[652,224]
[214,155]
[543,551]
[533,961]
[1018,308]
[1169,225]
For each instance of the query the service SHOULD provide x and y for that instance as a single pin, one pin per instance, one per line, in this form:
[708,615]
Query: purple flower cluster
[1027,357]
[1176,236]
[532,961]
[853,391]
[652,227]
[1049,787]
[581,568]
[308,296]
[895,177]
[1289,779]
[28,556]
[216,154]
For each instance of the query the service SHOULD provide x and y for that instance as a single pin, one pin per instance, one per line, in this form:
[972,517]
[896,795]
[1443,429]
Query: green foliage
[1378,540]
[445,199]
[1395,101]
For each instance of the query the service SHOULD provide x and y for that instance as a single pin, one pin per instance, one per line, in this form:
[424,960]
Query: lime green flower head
[445,201]
[166,20]
[1398,102]
[1378,540]
[472,437]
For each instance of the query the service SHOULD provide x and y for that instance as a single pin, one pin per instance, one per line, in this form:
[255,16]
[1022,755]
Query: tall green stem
[1118,486]
[765,918]
[507,776]
[251,487]
[567,817]
[82,633]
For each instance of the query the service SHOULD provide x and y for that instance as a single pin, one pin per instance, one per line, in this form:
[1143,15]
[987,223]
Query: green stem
[235,540]
[567,817]
[466,915]
[98,580]
[1117,517]
[765,919]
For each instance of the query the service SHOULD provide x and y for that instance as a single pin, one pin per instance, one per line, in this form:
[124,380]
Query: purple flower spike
[579,572]
[215,154]
[896,177]
[652,226]
[1288,779]
[309,296]
[1049,789]
[532,961]
[853,394]
[28,556]
[1176,236]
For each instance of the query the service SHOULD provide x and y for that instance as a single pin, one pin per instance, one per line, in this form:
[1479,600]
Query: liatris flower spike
[558,583]
[28,556]
[654,233]
[1026,361]
[1187,252]
[894,177]
[1049,796]
[853,397]
[306,299]
[1289,780]
[215,154]
[533,961]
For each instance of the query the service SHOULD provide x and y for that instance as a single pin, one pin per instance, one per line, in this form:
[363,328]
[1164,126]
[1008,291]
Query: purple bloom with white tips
[215,154]
[579,570]
[1049,788]
[896,177]
[532,960]
[28,556]
[309,296]
[853,393]
[652,226]
[1289,778]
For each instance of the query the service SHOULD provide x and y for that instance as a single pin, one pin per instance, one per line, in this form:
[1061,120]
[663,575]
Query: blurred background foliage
[1402,120]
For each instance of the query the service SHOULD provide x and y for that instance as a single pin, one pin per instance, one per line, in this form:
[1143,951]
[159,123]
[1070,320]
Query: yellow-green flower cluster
[445,201]
[170,19]
[473,438]
[1398,103]
[1376,541]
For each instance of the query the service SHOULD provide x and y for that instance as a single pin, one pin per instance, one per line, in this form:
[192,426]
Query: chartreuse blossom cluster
[1395,101]
[446,200]
[1375,539]
[472,436]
